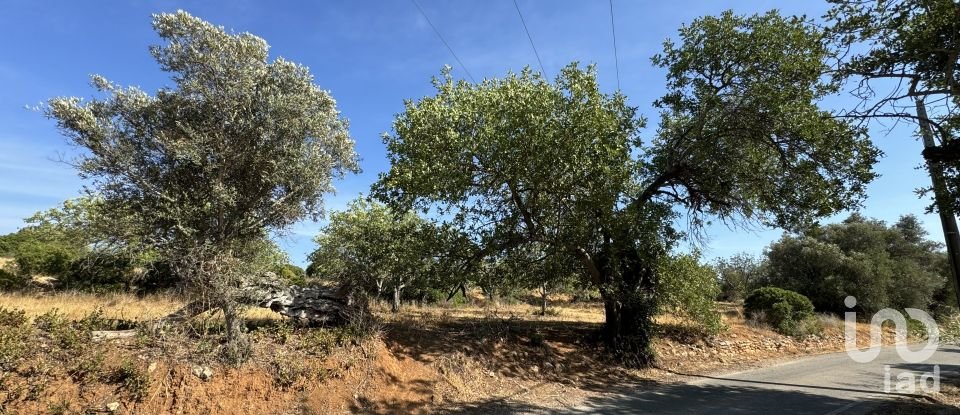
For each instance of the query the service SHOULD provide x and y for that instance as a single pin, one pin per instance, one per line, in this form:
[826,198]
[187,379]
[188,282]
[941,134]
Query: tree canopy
[238,146]
[903,59]
[522,160]
[375,248]
[882,266]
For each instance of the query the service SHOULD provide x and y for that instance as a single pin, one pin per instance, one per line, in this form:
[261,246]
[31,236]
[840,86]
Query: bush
[87,366]
[292,274]
[787,311]
[688,289]
[132,378]
[738,275]
[12,281]
[61,331]
[15,337]
[46,258]
[158,276]
[99,273]
[12,318]
[882,266]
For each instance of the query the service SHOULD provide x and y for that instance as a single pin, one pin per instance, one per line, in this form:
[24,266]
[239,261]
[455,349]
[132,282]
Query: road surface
[829,384]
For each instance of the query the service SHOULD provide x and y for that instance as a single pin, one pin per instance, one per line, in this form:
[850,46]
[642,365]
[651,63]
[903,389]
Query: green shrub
[158,276]
[99,273]
[87,366]
[11,281]
[132,378]
[688,290]
[61,330]
[45,257]
[323,341]
[787,311]
[15,337]
[292,274]
[287,371]
[12,318]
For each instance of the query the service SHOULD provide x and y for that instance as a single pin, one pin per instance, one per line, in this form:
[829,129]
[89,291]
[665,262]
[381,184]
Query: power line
[464,67]
[616,59]
[525,29]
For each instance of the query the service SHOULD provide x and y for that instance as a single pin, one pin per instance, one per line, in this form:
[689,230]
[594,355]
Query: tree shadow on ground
[553,351]
[684,398]
[744,398]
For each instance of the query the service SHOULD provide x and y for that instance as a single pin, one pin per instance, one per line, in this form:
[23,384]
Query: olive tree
[521,160]
[237,147]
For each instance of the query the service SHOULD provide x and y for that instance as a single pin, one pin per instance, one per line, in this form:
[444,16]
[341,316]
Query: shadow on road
[781,384]
[727,399]
[682,399]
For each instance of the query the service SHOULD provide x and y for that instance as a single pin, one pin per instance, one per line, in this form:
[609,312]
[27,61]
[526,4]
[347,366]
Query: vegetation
[515,185]
[882,266]
[521,160]
[238,147]
[916,42]
[739,275]
[515,188]
[916,45]
[375,249]
[786,311]
[688,291]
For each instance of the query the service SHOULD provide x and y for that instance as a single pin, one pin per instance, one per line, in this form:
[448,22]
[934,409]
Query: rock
[316,305]
[152,367]
[535,369]
[113,406]
[202,372]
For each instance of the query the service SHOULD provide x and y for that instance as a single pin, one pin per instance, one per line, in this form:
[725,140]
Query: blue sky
[371,55]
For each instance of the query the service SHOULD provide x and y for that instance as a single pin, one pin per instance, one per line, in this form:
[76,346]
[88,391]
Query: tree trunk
[237,347]
[627,330]
[629,298]
[453,292]
[948,221]
[395,305]
[379,288]
[543,299]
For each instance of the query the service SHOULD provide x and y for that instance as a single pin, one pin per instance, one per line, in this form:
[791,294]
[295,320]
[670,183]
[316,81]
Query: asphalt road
[822,385]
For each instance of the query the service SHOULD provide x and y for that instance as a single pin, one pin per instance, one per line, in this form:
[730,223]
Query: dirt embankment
[446,360]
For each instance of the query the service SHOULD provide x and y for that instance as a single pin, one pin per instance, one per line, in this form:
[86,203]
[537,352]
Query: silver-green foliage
[238,145]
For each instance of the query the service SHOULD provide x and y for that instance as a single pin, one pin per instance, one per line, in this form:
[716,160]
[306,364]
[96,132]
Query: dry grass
[78,305]
[115,305]
[480,309]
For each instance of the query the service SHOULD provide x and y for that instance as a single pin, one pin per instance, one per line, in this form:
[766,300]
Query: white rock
[203,372]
